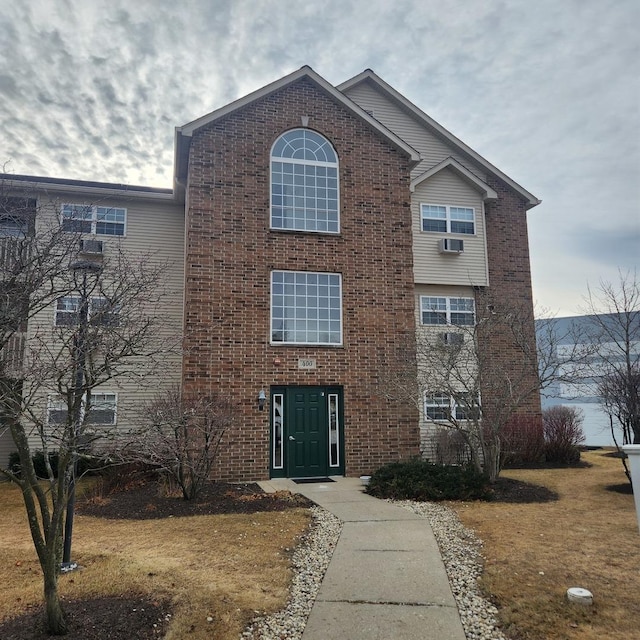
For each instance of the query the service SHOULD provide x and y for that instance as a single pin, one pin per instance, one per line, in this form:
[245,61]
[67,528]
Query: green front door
[306,421]
[306,437]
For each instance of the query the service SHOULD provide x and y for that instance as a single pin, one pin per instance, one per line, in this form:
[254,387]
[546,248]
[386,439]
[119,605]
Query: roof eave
[488,194]
[370,76]
[43,184]
[187,130]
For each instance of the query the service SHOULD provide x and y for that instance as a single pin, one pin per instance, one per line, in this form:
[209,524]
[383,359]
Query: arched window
[304,183]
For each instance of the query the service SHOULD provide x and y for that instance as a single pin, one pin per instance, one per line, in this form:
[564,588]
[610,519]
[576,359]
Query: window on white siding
[436,310]
[306,308]
[101,312]
[304,183]
[13,227]
[84,218]
[442,407]
[448,219]
[103,409]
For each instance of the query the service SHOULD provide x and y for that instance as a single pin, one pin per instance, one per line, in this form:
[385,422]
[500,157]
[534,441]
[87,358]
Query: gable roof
[369,76]
[184,133]
[451,163]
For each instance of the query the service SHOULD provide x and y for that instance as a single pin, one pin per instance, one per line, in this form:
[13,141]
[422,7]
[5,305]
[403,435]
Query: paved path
[386,579]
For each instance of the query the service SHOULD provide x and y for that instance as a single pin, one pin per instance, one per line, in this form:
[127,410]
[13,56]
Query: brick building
[315,230]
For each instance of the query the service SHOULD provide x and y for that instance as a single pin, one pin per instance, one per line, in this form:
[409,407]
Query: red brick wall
[230,253]
[509,291]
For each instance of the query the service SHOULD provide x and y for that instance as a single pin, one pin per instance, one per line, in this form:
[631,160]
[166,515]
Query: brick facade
[230,253]
[510,291]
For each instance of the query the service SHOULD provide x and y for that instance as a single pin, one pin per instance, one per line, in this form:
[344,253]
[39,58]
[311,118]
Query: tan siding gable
[432,267]
[432,149]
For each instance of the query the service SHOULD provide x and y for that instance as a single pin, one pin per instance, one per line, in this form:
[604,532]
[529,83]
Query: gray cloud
[548,91]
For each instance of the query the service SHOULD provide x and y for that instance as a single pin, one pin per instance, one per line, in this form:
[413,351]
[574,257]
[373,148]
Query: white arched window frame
[305,189]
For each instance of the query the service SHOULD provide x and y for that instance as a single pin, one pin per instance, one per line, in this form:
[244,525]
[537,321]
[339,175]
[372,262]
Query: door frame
[280,396]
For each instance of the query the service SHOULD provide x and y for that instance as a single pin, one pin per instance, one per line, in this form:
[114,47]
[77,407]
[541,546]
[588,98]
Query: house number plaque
[306,363]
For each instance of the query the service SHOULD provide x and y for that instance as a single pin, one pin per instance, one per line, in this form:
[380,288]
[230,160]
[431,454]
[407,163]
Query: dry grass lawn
[227,567]
[534,552]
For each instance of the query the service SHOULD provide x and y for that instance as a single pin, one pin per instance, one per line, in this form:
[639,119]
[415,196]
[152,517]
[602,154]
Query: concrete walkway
[386,579]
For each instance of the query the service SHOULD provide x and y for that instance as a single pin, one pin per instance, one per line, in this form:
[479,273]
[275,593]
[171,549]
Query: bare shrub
[522,442]
[562,434]
[181,437]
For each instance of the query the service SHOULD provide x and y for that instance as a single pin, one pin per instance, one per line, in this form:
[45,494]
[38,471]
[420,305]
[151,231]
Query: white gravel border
[310,561]
[461,552]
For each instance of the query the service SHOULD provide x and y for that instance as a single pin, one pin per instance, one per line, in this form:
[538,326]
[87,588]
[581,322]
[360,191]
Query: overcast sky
[547,90]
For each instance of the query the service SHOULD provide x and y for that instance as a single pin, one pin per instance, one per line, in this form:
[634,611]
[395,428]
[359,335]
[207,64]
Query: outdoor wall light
[261,399]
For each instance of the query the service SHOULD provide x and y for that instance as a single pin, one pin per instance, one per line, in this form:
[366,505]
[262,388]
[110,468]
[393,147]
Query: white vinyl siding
[447,189]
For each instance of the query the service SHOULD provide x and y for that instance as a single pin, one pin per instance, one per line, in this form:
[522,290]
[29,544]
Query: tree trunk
[55,619]
[492,459]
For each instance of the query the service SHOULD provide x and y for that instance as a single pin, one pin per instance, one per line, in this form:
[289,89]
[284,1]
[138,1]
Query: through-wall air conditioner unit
[95,247]
[452,338]
[451,245]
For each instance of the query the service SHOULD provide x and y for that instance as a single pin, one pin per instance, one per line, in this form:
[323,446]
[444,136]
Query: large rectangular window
[439,310]
[306,308]
[304,197]
[85,218]
[448,219]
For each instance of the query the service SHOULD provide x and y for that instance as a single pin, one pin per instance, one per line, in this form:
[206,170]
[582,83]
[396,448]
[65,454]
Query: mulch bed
[514,491]
[147,501]
[125,618]
[137,618]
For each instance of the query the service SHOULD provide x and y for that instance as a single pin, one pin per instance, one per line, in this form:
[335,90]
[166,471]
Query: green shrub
[424,481]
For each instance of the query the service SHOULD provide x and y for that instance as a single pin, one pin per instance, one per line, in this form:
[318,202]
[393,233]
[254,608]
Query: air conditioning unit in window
[452,338]
[451,245]
[94,247]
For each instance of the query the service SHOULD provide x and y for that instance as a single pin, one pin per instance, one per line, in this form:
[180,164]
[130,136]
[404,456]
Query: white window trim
[447,312]
[448,208]
[94,219]
[315,163]
[319,344]
[56,403]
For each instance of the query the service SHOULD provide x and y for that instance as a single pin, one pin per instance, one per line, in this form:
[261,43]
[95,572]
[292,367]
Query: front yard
[195,573]
[198,576]
[587,538]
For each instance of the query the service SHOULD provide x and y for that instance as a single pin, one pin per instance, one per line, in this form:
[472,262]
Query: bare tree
[460,383]
[613,328]
[106,329]
[181,436]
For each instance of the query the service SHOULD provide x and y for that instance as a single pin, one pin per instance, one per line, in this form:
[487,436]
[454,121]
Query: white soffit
[451,163]
[369,75]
